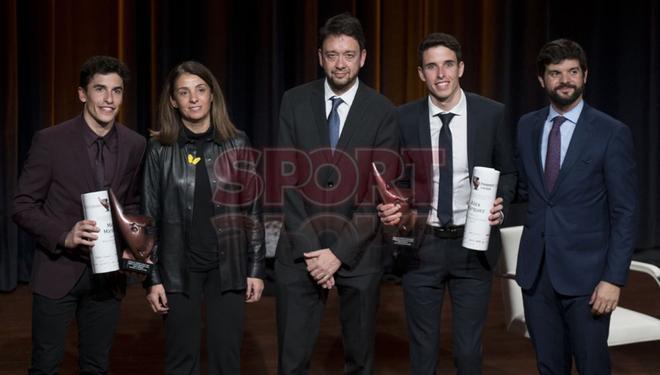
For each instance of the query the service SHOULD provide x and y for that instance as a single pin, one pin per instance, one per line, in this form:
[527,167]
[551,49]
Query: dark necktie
[446,169]
[333,122]
[99,167]
[553,154]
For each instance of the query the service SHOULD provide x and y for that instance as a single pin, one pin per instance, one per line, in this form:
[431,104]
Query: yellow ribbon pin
[193,160]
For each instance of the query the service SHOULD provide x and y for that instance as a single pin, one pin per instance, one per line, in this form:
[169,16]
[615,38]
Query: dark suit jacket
[332,204]
[585,227]
[47,201]
[490,145]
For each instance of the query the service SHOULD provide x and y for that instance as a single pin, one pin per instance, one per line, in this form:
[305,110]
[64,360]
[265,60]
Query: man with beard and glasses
[577,171]
[331,235]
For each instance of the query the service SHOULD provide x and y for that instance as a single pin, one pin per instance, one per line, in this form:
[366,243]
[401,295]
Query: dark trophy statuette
[137,232]
[392,195]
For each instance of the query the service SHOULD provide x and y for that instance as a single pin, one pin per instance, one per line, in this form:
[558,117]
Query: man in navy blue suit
[577,170]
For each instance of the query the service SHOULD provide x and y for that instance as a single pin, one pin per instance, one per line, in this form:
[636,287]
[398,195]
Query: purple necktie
[99,164]
[553,155]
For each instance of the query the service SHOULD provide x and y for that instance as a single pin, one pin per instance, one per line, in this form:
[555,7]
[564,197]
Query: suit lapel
[317,103]
[577,144]
[354,119]
[79,151]
[473,121]
[122,159]
[424,125]
[537,131]
[424,134]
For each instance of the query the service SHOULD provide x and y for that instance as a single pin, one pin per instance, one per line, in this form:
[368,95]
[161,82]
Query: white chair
[626,326]
[647,268]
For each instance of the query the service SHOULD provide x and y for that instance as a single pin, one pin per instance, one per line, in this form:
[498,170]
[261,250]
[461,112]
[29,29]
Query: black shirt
[203,254]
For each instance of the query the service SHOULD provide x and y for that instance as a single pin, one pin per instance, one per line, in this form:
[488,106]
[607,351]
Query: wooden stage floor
[138,346]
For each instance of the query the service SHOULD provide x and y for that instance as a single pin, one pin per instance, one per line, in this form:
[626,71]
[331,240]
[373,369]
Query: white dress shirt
[461,177]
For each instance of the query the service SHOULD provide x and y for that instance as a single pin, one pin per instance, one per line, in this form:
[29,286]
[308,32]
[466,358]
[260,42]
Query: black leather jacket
[167,196]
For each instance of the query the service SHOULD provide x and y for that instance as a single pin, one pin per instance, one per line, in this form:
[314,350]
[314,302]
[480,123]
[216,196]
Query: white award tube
[483,191]
[96,206]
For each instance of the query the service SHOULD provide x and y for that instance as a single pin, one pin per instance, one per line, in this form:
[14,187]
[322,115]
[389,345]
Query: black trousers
[445,265]
[96,310]
[563,326]
[225,316]
[300,305]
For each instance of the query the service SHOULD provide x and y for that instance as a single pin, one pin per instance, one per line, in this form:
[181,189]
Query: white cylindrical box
[103,255]
[483,191]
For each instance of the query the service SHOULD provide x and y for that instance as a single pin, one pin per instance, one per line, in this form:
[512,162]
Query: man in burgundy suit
[87,153]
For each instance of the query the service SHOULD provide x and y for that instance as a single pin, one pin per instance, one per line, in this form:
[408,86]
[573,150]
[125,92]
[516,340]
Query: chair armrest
[646,268]
[509,276]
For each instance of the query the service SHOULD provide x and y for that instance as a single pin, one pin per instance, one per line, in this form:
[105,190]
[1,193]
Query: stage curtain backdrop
[258,49]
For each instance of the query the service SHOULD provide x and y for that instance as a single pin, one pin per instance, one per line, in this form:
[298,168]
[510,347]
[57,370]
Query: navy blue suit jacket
[585,227]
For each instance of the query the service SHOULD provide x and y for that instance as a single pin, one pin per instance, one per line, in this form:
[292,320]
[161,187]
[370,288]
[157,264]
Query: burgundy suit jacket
[47,202]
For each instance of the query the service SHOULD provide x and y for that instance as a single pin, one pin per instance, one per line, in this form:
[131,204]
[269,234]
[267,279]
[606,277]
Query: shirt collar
[573,115]
[90,137]
[347,97]
[460,109]
[187,136]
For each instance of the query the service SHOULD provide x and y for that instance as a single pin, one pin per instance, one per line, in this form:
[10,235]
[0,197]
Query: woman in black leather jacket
[201,187]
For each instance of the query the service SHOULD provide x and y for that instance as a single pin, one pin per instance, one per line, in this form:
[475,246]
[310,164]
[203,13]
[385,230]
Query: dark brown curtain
[258,49]
[9,249]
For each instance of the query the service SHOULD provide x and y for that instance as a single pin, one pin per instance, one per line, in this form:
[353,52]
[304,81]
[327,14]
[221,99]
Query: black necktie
[446,171]
[99,167]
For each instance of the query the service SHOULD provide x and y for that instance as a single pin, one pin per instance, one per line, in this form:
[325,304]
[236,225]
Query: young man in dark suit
[577,170]
[87,153]
[443,137]
[331,235]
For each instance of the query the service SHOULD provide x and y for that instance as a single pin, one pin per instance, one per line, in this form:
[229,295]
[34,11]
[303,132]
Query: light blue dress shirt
[566,130]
